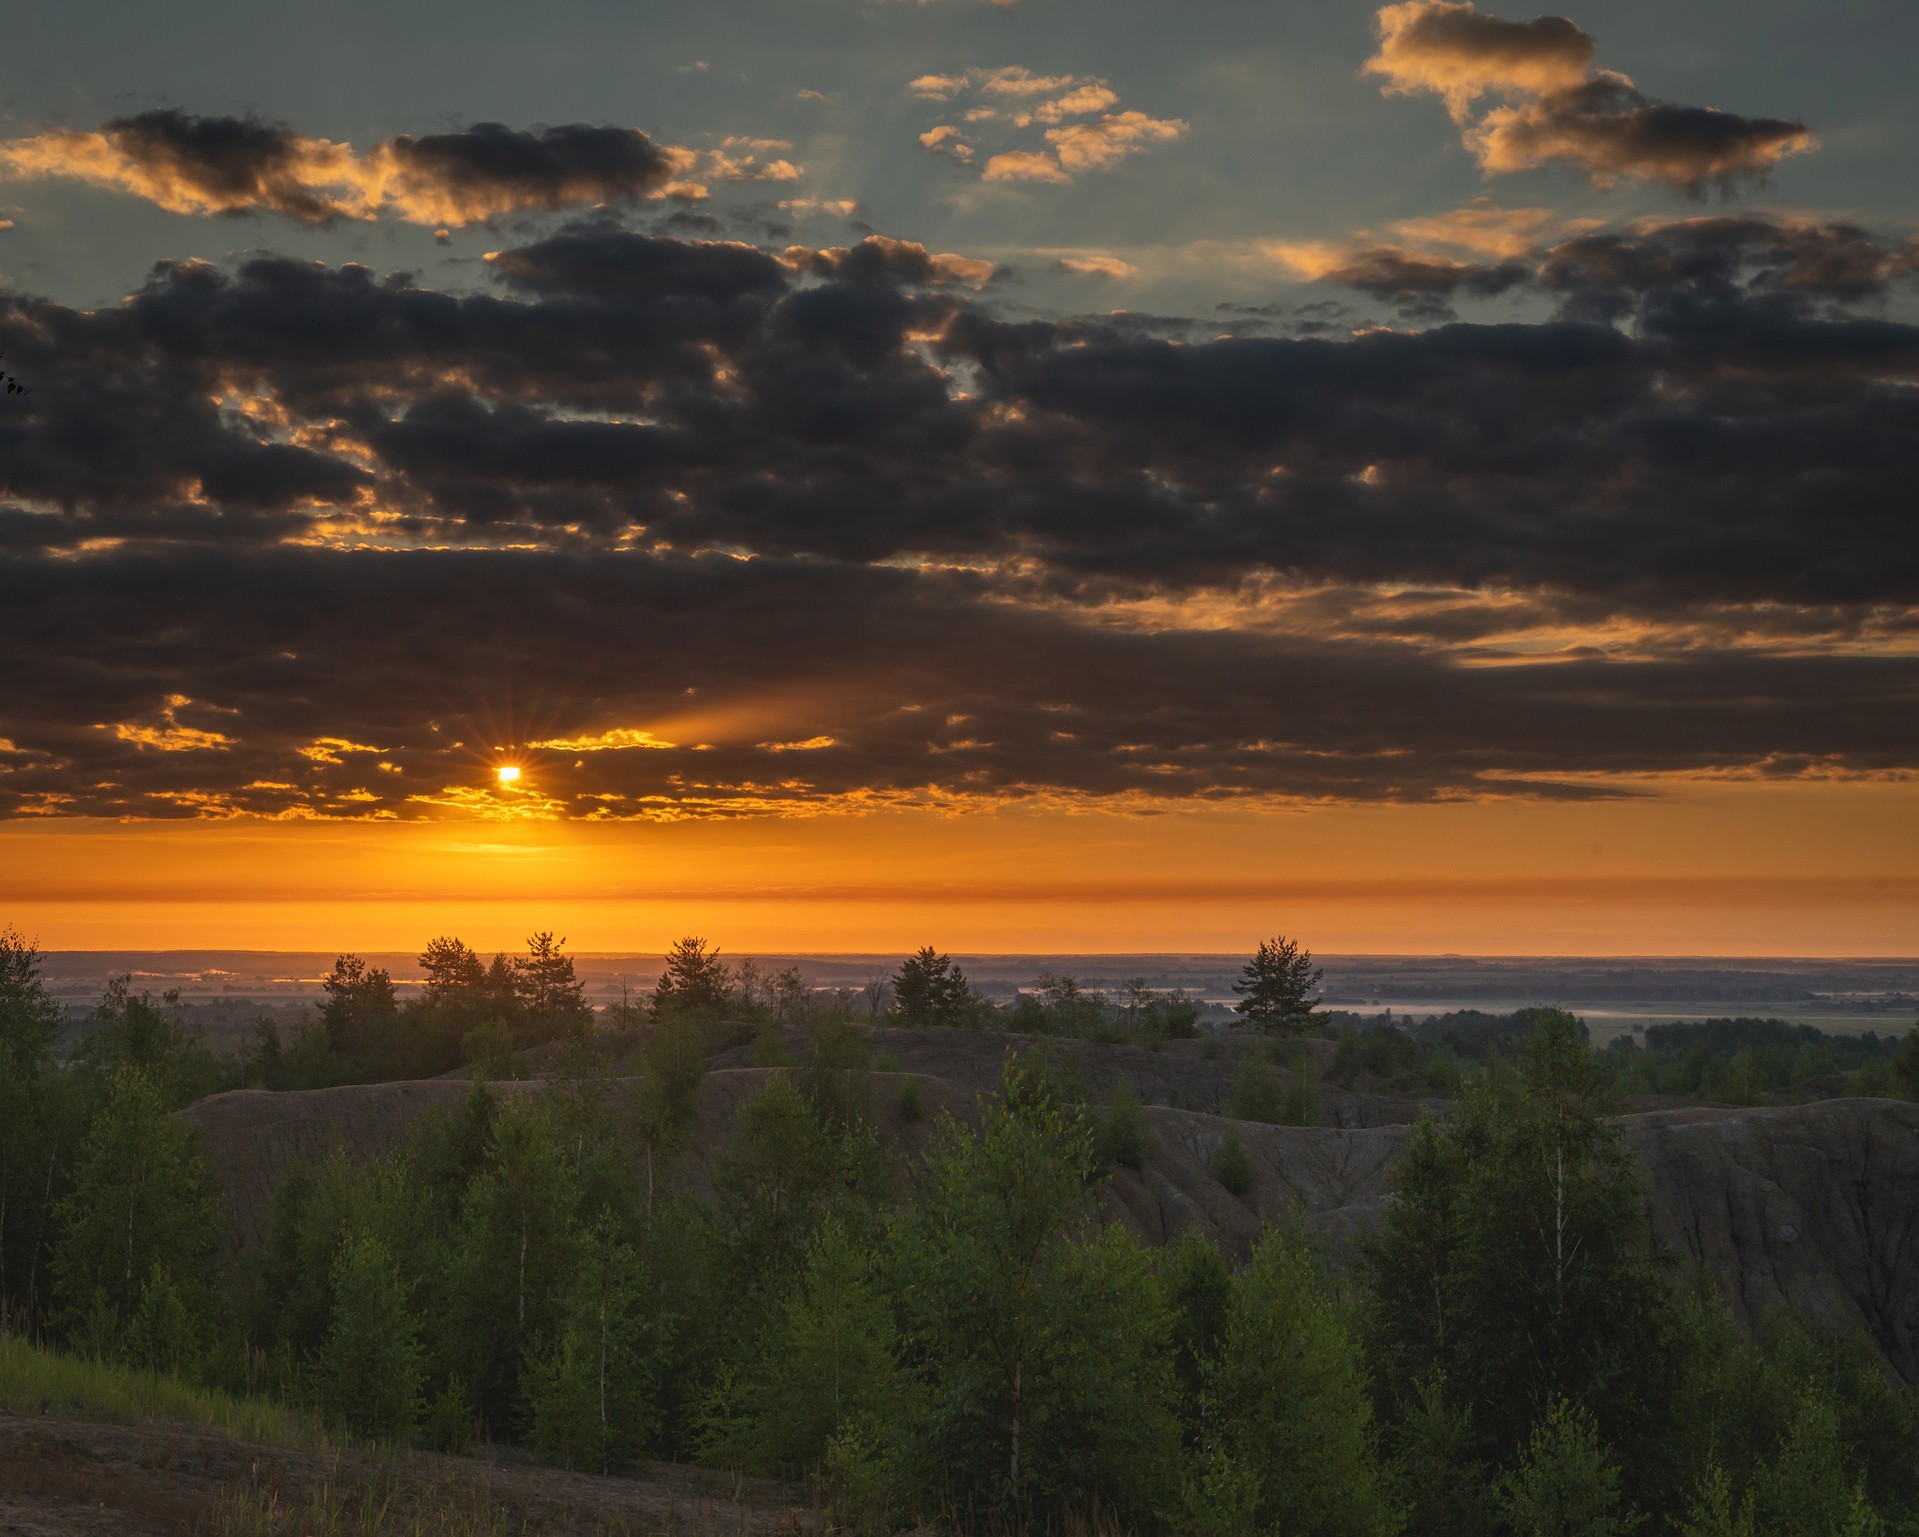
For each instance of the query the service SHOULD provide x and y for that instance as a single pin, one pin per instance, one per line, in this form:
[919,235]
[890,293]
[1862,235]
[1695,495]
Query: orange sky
[1725,869]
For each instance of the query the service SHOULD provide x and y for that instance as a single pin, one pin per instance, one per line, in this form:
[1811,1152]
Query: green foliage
[489,1050]
[785,1168]
[1906,1068]
[162,1336]
[1198,1288]
[552,999]
[1276,988]
[1811,1488]
[911,1105]
[361,1012]
[929,989]
[40,1112]
[695,983]
[825,1361]
[1286,1433]
[673,1065]
[1301,1106]
[1565,1484]
[1514,1260]
[1036,1343]
[1258,1094]
[139,1202]
[1233,1166]
[29,1015]
[1436,1479]
[592,1392]
[835,1072]
[369,1366]
[134,1031]
[1122,1137]
[517,1249]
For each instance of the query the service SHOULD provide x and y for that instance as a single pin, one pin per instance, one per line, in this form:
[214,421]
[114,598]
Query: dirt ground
[70,1478]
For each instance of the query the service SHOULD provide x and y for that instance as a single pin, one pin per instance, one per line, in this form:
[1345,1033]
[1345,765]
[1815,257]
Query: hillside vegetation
[1070,1263]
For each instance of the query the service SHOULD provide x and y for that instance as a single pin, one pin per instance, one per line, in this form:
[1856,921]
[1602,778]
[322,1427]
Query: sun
[509,773]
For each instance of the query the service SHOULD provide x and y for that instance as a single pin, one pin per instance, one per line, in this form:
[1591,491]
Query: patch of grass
[371,1506]
[37,1380]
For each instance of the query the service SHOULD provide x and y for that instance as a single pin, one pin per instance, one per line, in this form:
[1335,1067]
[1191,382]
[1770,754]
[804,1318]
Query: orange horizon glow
[1728,869]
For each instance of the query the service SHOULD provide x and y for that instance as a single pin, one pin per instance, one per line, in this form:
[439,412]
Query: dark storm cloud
[489,169]
[632,388]
[234,165]
[1557,108]
[1615,275]
[339,684]
[974,542]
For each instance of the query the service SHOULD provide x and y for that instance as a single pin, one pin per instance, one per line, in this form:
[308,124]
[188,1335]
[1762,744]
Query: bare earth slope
[1814,1207]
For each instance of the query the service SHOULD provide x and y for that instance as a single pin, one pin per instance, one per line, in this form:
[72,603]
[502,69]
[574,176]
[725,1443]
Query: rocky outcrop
[1812,1207]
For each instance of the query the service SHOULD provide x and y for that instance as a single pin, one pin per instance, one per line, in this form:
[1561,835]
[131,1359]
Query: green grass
[369,1507]
[36,1380]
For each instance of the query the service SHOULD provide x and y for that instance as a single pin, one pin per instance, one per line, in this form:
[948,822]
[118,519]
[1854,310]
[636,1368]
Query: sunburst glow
[508,773]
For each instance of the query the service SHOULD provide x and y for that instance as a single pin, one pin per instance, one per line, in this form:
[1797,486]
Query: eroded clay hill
[1814,1207]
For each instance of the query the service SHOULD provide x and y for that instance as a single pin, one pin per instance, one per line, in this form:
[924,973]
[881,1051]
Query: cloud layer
[705,528]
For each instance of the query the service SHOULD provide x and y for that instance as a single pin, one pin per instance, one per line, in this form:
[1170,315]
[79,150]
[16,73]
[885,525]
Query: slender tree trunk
[39,1239]
[1019,1368]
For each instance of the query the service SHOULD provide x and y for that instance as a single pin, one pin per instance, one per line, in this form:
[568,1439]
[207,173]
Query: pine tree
[552,997]
[695,982]
[929,989]
[1276,991]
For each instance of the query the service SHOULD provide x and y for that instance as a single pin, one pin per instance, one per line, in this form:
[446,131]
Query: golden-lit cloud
[1496,232]
[215,165]
[1099,267]
[615,739]
[1024,165]
[169,735]
[328,749]
[1554,106]
[172,738]
[1455,51]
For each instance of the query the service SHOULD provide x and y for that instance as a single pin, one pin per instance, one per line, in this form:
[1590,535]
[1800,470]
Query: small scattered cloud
[1099,267]
[169,735]
[1553,106]
[1079,133]
[614,739]
[838,207]
[881,260]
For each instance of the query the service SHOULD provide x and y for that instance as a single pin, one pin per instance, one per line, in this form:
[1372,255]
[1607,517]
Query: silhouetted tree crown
[929,989]
[695,981]
[1276,990]
[361,1009]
